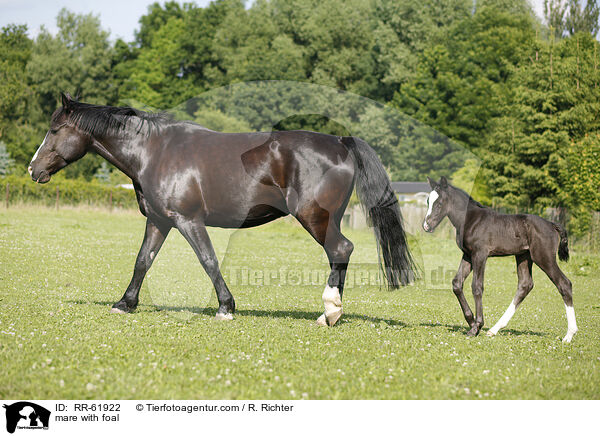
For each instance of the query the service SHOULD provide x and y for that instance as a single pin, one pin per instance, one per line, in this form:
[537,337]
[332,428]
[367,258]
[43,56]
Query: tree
[6,163]
[553,100]
[555,13]
[582,19]
[78,60]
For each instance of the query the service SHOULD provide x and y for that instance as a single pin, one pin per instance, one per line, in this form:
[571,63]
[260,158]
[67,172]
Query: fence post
[110,199]
[7,193]
[57,196]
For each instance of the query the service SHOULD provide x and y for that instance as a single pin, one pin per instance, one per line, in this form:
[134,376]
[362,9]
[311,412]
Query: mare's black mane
[98,120]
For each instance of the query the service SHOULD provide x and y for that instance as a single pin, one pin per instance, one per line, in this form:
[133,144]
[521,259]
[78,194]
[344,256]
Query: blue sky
[119,16]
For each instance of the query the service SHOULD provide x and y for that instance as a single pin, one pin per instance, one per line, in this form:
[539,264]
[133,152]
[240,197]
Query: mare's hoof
[224,316]
[117,310]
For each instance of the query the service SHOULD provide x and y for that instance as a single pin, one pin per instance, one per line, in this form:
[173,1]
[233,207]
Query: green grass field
[61,271]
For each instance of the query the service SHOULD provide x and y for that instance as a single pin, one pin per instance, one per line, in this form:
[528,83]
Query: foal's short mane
[471,199]
[102,120]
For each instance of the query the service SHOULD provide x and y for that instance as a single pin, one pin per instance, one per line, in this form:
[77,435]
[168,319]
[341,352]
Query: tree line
[487,90]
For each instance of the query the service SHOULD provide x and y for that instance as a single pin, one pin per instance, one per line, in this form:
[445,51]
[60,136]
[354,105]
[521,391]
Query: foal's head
[63,144]
[438,203]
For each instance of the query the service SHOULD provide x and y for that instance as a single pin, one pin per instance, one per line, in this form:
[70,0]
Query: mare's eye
[53,131]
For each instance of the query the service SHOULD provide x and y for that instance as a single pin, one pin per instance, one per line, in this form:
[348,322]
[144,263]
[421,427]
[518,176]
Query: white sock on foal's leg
[572,323]
[333,306]
[503,321]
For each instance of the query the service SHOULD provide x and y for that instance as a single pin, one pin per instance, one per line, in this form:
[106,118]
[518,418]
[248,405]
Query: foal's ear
[443,182]
[432,183]
[66,99]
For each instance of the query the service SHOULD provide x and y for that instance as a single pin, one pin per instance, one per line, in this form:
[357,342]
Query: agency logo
[26,415]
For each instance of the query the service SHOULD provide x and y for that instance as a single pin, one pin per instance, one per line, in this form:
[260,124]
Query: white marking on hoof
[119,311]
[224,317]
[321,321]
[333,305]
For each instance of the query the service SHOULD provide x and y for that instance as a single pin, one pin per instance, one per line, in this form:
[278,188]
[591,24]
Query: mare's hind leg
[547,262]
[195,233]
[525,285]
[153,240]
[326,231]
[464,269]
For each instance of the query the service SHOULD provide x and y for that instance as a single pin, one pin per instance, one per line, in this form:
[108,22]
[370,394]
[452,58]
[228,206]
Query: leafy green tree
[459,82]
[555,12]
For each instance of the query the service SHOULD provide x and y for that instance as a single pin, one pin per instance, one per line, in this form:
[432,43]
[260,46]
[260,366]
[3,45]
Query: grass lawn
[61,271]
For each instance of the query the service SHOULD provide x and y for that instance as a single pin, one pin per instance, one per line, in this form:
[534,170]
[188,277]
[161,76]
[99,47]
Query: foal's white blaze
[433,195]
[572,323]
[39,148]
[333,306]
[503,321]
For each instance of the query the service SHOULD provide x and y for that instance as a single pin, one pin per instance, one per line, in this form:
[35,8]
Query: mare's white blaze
[433,195]
[152,255]
[503,321]
[333,305]
[572,323]
[39,148]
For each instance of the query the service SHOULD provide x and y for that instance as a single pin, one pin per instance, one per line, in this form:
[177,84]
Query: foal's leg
[478,261]
[327,233]
[153,240]
[548,264]
[464,269]
[195,233]
[525,285]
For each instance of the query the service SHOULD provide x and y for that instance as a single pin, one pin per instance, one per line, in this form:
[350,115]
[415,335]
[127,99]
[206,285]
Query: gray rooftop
[410,187]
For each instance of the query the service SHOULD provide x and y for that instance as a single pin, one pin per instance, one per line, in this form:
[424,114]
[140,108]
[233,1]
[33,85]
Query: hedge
[71,192]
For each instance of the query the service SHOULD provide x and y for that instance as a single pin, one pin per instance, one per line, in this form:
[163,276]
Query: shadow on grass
[293,314]
[464,329]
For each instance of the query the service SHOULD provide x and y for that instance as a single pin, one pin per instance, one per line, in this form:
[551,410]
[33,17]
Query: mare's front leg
[195,233]
[153,239]
[478,261]
[464,269]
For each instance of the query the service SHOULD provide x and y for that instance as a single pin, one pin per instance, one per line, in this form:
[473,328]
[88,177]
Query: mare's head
[63,144]
[439,203]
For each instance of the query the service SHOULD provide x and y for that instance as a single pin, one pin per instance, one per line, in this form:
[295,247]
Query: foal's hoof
[490,333]
[472,333]
[322,321]
[224,316]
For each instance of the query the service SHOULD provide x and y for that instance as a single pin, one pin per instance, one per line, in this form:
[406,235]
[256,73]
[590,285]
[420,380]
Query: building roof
[410,187]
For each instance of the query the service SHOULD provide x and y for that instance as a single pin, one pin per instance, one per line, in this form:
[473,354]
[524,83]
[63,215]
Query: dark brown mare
[482,232]
[189,177]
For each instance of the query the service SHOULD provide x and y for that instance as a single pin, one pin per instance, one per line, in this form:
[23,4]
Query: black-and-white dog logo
[26,415]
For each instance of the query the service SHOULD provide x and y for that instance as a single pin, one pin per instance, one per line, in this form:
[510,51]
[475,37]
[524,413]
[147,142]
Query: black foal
[482,232]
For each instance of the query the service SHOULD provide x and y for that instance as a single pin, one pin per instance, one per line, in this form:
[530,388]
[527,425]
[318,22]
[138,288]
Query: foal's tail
[383,212]
[563,245]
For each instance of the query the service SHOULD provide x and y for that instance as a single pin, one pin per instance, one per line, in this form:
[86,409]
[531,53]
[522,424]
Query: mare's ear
[443,182]
[432,183]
